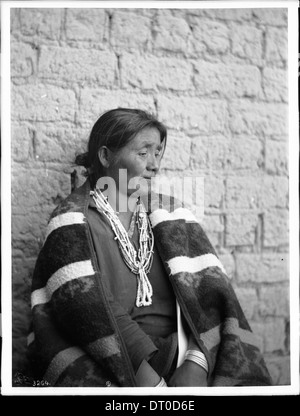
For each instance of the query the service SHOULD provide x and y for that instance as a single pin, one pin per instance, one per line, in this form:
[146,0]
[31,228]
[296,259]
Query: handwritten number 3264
[40,383]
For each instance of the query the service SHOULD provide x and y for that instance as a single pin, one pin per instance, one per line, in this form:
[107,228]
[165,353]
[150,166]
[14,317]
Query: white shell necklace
[138,262]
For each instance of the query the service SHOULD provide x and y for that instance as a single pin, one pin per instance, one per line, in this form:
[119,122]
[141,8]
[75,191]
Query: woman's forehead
[147,136]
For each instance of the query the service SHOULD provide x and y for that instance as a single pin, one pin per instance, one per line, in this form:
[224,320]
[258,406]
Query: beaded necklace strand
[138,262]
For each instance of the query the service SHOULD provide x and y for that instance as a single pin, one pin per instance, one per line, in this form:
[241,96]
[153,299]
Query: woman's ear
[104,156]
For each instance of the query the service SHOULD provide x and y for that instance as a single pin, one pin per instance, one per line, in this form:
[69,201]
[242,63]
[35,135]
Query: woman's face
[140,158]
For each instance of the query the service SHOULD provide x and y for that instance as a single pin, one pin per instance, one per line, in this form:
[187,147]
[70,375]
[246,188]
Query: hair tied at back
[83,160]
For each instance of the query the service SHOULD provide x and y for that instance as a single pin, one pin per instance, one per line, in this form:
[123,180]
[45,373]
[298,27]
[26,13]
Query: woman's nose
[153,163]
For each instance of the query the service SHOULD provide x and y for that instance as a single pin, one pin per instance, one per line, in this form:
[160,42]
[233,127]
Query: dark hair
[114,129]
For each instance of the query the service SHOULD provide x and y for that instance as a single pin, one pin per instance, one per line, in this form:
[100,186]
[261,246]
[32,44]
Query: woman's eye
[143,154]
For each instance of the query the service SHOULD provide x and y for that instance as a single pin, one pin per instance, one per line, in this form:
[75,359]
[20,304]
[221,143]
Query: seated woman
[134,296]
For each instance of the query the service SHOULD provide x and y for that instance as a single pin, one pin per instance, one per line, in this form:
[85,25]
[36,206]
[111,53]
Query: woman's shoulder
[76,201]
[96,220]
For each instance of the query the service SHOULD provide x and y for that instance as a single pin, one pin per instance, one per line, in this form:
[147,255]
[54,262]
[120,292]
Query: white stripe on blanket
[61,276]
[161,215]
[194,264]
[39,297]
[60,362]
[212,337]
[69,218]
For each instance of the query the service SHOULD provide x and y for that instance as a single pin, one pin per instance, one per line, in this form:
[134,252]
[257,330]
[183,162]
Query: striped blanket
[75,341]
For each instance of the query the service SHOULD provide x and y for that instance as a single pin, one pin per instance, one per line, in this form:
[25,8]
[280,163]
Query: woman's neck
[120,203]
[125,218]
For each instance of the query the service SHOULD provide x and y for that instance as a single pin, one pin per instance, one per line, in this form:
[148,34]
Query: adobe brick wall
[217,78]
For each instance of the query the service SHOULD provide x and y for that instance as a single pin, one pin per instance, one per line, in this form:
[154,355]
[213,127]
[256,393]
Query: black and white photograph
[149,199]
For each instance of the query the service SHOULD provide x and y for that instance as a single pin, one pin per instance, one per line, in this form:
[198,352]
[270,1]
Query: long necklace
[138,262]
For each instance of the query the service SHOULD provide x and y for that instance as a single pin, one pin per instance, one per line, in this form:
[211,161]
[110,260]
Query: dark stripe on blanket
[73,203]
[50,340]
[234,352]
[83,372]
[82,320]
[178,238]
[63,246]
[210,293]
